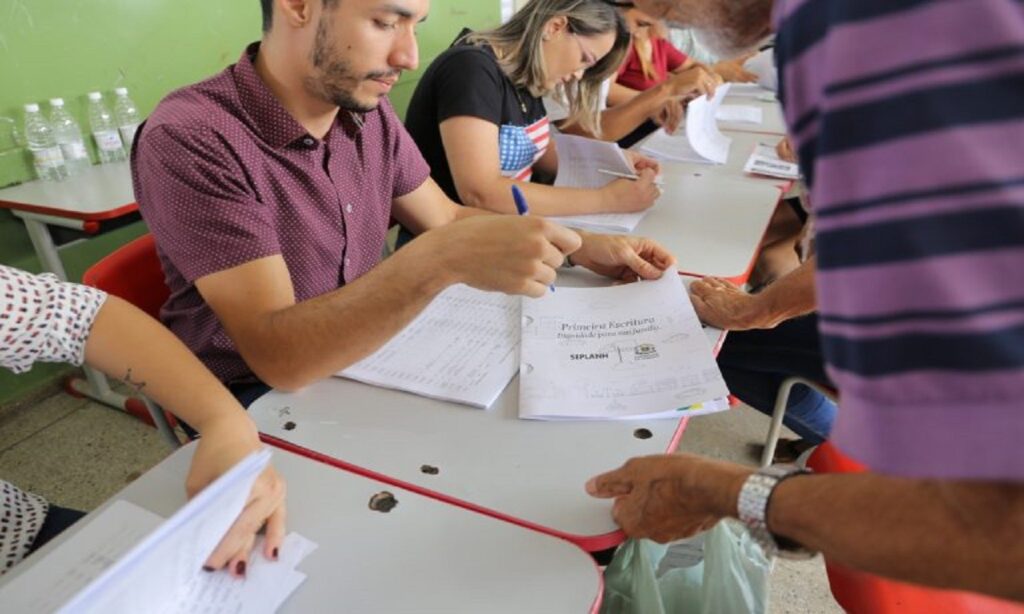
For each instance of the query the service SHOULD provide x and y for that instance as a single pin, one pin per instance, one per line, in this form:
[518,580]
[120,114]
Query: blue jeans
[755,362]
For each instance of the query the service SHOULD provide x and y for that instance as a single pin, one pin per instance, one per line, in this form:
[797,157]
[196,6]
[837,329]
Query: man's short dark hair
[267,6]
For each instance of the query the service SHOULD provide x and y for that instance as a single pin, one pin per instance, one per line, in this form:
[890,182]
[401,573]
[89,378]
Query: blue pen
[523,209]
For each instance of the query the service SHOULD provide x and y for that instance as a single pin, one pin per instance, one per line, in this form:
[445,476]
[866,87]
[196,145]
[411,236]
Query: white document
[579,161]
[702,128]
[739,113]
[580,158]
[67,570]
[702,141]
[634,351]
[752,90]
[266,586]
[602,222]
[463,348]
[128,559]
[674,147]
[764,161]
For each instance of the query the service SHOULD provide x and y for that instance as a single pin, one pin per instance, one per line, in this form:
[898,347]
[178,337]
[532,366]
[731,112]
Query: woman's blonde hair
[522,56]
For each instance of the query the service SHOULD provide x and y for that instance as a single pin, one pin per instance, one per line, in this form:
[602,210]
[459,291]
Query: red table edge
[588,543]
[72,215]
[743,276]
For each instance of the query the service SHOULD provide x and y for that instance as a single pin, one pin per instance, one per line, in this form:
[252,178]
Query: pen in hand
[523,209]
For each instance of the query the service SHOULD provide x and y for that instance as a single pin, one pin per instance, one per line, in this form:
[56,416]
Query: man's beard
[335,81]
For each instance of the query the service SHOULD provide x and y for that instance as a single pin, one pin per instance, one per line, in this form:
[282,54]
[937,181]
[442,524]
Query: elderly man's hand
[670,496]
[723,304]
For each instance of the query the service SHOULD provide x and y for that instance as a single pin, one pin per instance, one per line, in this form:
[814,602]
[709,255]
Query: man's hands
[502,253]
[722,304]
[220,448]
[623,257]
[670,496]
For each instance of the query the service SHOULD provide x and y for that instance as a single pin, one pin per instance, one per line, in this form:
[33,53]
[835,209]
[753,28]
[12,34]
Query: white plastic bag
[732,578]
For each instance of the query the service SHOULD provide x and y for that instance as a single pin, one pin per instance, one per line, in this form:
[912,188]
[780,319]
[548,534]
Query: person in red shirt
[652,60]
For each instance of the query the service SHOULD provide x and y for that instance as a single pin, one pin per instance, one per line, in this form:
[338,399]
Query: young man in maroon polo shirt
[270,188]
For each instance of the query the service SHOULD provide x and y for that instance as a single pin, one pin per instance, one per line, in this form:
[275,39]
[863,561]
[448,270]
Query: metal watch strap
[752,509]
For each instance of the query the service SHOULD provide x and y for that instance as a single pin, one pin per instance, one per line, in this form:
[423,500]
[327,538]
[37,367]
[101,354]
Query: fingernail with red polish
[207,568]
[275,553]
[240,568]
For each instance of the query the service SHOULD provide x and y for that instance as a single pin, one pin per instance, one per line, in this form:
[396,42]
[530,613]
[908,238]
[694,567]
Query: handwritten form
[635,351]
[464,348]
[128,559]
[579,160]
[702,140]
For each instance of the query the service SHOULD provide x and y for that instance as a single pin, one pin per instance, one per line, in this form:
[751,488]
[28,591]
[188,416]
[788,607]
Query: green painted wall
[51,48]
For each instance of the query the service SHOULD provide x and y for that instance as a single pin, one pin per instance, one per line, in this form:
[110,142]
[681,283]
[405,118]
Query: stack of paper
[764,161]
[634,351]
[752,90]
[580,161]
[739,113]
[702,135]
[463,347]
[591,164]
[128,559]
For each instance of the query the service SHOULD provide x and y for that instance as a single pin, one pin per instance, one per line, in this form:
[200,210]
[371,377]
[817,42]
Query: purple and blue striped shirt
[908,116]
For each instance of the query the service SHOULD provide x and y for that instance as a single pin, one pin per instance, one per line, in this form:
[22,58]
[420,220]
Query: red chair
[133,273]
[858,592]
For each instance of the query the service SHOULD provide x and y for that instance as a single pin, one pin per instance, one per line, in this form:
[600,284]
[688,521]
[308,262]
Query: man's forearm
[302,343]
[960,535]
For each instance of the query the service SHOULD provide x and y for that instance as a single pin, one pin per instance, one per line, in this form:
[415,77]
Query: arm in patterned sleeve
[42,318]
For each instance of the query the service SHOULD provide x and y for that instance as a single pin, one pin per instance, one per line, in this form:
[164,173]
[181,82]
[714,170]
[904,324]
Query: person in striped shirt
[913,155]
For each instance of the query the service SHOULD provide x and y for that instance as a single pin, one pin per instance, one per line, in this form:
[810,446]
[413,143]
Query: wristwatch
[755,495]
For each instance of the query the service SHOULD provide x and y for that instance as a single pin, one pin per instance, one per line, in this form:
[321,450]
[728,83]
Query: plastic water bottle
[69,137]
[46,156]
[127,115]
[104,130]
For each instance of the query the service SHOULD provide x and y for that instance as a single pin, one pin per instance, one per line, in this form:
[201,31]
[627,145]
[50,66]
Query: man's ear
[296,13]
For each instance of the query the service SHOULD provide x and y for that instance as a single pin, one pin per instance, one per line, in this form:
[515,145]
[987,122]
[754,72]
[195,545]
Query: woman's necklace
[522,103]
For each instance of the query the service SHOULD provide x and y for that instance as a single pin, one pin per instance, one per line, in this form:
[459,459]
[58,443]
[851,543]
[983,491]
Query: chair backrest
[858,592]
[132,273]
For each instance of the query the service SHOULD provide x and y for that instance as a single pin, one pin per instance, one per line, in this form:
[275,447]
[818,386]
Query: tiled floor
[78,454]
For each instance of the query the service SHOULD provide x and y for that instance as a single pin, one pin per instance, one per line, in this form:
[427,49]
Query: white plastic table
[100,193]
[713,224]
[422,556]
[527,472]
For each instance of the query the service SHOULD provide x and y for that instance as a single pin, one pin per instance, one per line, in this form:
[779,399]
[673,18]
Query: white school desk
[527,472]
[772,120]
[713,225]
[100,193]
[422,556]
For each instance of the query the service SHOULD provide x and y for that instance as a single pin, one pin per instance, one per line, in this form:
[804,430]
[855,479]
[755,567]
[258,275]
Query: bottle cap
[121,91]
[32,107]
[94,96]
[56,102]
